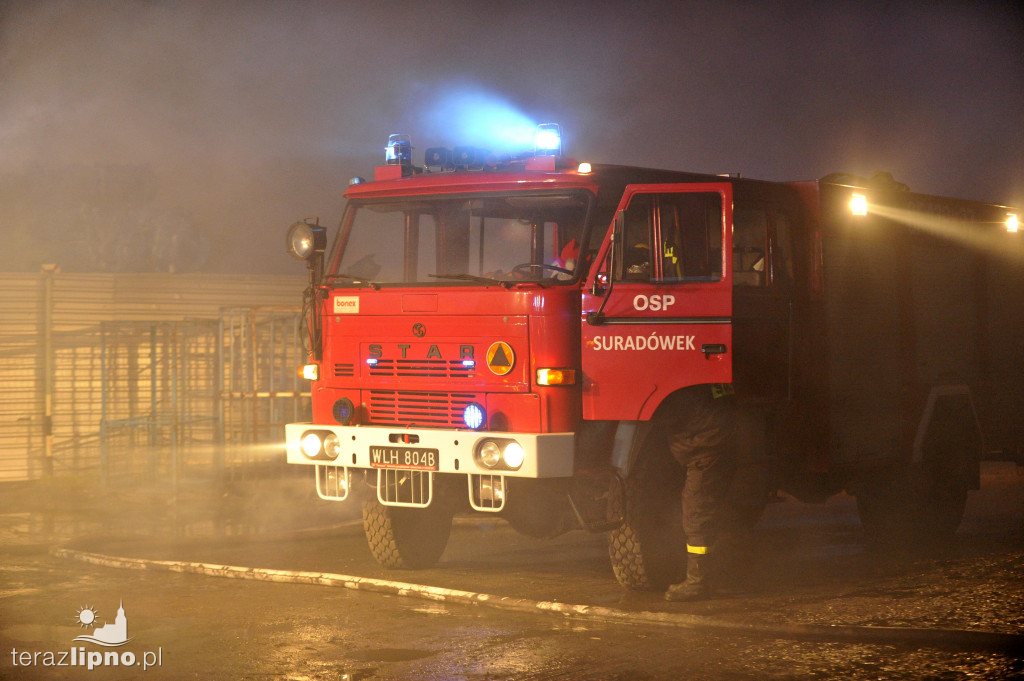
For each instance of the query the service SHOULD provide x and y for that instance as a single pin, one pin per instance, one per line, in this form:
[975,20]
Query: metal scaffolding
[199,399]
[158,398]
[260,390]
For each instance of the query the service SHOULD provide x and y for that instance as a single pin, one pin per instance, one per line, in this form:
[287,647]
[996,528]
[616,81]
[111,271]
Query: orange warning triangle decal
[500,359]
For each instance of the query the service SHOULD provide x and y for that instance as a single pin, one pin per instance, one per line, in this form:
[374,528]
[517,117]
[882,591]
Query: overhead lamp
[305,240]
[859,204]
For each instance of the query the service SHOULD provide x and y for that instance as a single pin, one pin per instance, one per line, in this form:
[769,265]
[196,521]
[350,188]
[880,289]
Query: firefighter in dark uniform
[701,440]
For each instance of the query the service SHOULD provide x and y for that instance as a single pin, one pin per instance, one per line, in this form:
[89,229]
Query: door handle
[712,349]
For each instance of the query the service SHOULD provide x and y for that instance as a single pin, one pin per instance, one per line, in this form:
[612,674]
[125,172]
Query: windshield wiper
[355,279]
[473,277]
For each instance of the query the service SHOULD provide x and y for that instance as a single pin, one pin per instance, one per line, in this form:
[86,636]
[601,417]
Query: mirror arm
[597,318]
[315,264]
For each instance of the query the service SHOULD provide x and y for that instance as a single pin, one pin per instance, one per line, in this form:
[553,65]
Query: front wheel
[648,551]
[406,538]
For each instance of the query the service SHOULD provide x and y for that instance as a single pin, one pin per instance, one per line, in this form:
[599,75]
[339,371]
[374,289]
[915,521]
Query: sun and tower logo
[107,634]
[110,635]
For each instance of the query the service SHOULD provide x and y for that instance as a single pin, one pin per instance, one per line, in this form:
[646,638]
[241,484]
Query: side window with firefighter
[672,238]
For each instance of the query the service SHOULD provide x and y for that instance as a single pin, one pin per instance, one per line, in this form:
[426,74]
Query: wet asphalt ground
[803,566]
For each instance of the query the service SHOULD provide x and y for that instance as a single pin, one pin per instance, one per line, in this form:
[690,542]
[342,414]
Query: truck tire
[406,538]
[648,551]
[911,508]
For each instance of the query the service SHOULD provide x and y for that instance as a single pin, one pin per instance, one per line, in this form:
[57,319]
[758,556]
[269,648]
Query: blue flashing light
[547,141]
[372,362]
[473,416]
[343,411]
[398,152]
[469,363]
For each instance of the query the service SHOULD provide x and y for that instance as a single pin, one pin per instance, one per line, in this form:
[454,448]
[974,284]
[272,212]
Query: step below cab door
[657,306]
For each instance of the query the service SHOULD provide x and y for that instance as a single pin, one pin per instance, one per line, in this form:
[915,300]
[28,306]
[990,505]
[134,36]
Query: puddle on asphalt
[389,654]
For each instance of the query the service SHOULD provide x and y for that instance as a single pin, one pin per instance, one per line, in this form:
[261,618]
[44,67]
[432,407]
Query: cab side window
[762,253]
[749,241]
[782,250]
[672,237]
[638,230]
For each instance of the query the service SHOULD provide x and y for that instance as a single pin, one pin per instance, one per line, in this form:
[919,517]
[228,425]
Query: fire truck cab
[501,334]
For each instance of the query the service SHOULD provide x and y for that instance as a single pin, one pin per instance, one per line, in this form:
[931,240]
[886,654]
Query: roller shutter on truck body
[920,296]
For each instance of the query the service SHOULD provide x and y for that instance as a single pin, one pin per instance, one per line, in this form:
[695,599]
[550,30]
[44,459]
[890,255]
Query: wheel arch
[949,438]
[631,436]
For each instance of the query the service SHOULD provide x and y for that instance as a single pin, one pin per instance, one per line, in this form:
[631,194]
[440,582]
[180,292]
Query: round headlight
[305,240]
[332,446]
[513,455]
[310,445]
[473,416]
[490,454]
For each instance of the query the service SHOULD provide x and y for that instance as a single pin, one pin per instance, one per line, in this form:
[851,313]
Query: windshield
[502,239]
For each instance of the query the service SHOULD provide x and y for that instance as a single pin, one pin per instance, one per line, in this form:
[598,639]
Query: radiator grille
[405,408]
[422,368]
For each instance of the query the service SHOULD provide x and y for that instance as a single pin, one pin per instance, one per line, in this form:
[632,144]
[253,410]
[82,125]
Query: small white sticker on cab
[346,305]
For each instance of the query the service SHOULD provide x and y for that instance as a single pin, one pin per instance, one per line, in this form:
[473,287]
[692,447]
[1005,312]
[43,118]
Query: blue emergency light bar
[547,142]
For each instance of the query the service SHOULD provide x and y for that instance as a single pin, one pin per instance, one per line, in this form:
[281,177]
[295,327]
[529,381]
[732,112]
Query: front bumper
[545,455]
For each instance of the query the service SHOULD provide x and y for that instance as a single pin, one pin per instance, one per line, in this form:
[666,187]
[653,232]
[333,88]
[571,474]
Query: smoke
[244,117]
[471,116]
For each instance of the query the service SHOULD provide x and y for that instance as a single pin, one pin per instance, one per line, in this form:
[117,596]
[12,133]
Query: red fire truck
[502,334]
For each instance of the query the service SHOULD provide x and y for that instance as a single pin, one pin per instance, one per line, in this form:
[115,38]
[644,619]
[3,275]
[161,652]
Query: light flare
[993,237]
[469,116]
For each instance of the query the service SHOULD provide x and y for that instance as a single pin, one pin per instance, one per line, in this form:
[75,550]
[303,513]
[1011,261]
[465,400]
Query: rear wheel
[648,551]
[407,538]
[911,507]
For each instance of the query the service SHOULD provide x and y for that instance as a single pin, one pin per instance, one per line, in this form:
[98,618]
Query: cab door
[657,306]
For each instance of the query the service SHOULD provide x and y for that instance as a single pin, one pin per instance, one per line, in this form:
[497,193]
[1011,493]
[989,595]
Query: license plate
[409,458]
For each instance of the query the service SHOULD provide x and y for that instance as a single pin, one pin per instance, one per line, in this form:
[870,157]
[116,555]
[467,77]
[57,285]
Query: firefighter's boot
[696,587]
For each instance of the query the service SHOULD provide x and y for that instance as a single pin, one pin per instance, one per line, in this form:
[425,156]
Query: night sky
[160,136]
